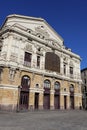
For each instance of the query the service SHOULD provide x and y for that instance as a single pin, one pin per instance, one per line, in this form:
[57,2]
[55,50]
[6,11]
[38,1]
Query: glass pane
[46,84]
[57,85]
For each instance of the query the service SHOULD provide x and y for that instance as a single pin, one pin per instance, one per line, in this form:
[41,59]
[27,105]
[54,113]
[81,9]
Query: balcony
[71,76]
[27,64]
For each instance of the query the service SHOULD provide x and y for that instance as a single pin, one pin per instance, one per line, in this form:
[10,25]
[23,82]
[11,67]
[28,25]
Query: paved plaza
[44,120]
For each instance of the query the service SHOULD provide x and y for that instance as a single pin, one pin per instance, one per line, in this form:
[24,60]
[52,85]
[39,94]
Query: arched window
[25,82]
[52,62]
[46,84]
[71,88]
[57,85]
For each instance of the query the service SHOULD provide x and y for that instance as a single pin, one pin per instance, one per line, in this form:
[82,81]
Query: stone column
[61,64]
[76,102]
[31,100]
[61,101]
[10,39]
[80,100]
[52,99]
[68,101]
[41,96]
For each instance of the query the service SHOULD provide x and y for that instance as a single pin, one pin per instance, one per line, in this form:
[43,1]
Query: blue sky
[67,17]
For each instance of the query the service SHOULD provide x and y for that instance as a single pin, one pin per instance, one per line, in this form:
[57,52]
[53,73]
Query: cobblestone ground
[44,120]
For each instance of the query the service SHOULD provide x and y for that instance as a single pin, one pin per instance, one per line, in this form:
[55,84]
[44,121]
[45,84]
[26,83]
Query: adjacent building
[37,71]
[84,87]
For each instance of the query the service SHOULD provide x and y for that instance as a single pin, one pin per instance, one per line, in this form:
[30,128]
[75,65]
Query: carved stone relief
[53,43]
[41,30]
[13,57]
[12,72]
[71,63]
[1,73]
[21,59]
[3,55]
[28,47]
[65,60]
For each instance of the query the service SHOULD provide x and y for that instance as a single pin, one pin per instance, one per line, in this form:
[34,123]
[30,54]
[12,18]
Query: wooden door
[72,102]
[56,101]
[65,102]
[24,100]
[46,102]
[36,102]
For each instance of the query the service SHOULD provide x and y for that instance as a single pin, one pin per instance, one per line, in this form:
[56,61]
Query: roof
[84,69]
[31,18]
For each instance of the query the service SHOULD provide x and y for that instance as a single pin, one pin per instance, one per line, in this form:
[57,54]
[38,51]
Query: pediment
[41,30]
[53,42]
[34,25]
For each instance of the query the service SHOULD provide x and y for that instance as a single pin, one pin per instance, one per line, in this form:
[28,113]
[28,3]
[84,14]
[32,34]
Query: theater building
[84,88]
[37,71]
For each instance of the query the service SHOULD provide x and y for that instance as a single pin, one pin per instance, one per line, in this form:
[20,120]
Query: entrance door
[36,103]
[24,99]
[57,101]
[72,102]
[65,102]
[46,103]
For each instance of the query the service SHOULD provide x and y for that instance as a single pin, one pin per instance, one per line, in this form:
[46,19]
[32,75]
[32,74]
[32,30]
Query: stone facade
[84,87]
[36,70]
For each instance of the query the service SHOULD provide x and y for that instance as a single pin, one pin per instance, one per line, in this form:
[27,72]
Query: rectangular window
[64,69]
[38,61]
[85,88]
[0,50]
[85,81]
[27,59]
[1,70]
[84,73]
[71,70]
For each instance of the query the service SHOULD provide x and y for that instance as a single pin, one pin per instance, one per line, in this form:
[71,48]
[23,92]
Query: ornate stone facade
[36,70]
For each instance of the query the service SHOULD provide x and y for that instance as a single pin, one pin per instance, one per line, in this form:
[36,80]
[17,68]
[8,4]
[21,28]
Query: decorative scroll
[13,57]
[41,30]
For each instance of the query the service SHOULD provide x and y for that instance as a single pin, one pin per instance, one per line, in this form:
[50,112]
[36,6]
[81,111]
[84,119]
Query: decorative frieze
[13,57]
[12,72]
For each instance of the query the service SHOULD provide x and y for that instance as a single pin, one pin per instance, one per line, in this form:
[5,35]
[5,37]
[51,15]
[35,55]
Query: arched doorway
[24,92]
[57,95]
[46,99]
[71,96]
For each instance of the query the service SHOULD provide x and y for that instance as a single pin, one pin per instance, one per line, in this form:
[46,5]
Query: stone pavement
[44,120]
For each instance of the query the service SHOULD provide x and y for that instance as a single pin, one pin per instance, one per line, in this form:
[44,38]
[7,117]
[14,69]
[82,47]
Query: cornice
[8,86]
[25,17]
[51,74]
[32,18]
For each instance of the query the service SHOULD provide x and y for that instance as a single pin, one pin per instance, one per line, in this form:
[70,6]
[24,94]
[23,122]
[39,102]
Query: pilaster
[31,100]
[68,102]
[52,99]
[40,101]
[10,39]
[61,101]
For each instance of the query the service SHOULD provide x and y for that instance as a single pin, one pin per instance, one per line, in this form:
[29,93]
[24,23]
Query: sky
[67,17]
